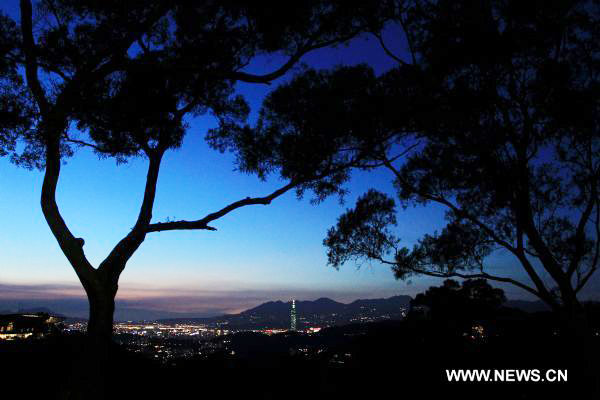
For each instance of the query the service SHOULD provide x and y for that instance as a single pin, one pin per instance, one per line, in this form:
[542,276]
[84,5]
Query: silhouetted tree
[492,114]
[494,118]
[125,74]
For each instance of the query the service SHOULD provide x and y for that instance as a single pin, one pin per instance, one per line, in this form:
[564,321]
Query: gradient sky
[258,253]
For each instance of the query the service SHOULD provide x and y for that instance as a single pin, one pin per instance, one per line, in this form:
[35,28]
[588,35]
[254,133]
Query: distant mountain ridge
[320,312]
[277,313]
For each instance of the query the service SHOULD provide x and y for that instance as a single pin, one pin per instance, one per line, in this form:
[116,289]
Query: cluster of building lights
[158,329]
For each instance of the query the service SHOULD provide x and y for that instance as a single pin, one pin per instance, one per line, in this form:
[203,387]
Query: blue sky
[259,253]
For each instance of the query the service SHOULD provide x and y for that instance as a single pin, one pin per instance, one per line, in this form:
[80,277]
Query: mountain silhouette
[320,312]
[276,313]
[34,310]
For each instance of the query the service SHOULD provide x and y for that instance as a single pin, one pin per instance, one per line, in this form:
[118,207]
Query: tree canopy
[493,114]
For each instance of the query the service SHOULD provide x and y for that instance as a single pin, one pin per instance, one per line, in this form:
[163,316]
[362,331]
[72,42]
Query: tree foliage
[307,138]
[493,114]
[363,230]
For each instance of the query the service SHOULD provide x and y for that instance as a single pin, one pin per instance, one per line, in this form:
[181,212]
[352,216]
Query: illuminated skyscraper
[293,316]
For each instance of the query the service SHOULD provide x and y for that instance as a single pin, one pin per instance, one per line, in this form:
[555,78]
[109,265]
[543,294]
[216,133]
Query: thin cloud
[40,291]
[70,298]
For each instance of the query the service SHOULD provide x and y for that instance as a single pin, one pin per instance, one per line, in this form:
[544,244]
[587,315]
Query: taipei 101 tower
[293,316]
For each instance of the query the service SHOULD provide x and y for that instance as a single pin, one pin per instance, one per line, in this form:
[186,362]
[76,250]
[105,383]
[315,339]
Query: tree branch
[267,78]
[31,65]
[387,50]
[82,143]
[409,41]
[115,262]
[203,222]
[71,246]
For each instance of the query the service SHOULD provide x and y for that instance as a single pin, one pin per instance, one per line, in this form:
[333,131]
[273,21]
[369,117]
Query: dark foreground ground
[404,359]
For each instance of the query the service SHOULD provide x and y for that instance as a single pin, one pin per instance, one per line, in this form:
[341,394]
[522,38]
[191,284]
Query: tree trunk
[100,325]
[90,375]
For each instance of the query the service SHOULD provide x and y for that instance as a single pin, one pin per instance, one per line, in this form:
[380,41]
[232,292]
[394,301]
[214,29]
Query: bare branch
[122,252]
[267,78]
[387,50]
[67,138]
[203,222]
[409,41]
